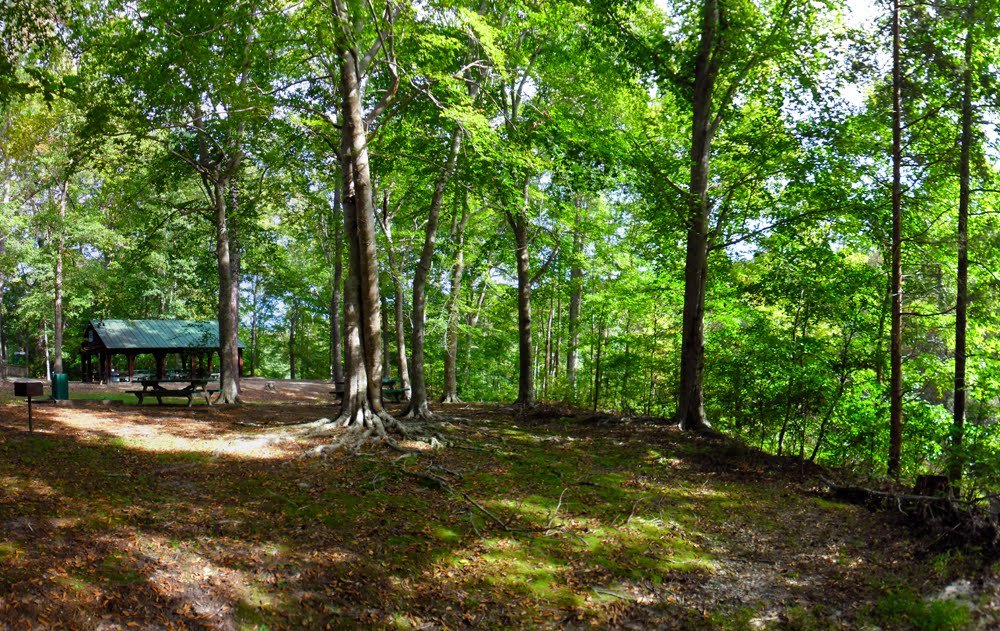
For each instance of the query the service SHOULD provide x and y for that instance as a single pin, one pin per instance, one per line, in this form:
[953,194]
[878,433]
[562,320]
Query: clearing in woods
[170,517]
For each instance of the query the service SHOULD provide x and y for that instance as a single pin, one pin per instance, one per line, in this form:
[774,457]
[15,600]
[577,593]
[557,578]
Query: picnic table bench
[155,388]
[392,393]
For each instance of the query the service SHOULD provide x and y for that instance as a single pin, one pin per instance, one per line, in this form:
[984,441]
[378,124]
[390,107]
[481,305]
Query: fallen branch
[434,480]
[949,521]
[502,523]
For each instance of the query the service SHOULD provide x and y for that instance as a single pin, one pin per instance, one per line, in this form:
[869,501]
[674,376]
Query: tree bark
[957,461]
[519,225]
[896,318]
[547,365]
[418,386]
[253,327]
[575,299]
[355,409]
[399,314]
[450,394]
[472,320]
[558,341]
[336,291]
[690,401]
[57,322]
[602,336]
[386,364]
[229,385]
[363,390]
[292,324]
[3,286]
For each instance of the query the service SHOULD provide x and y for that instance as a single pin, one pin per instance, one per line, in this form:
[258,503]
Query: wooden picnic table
[157,388]
[389,389]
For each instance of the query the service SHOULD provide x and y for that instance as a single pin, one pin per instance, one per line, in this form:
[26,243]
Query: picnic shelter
[193,343]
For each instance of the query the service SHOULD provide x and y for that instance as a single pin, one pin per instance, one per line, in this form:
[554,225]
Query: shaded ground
[169,517]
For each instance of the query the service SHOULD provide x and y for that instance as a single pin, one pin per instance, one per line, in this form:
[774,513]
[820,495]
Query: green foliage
[580,128]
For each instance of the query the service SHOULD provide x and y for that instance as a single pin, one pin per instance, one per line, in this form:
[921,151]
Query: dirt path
[175,517]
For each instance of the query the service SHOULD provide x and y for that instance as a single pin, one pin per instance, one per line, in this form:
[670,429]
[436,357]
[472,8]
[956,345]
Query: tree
[219,63]
[362,401]
[734,48]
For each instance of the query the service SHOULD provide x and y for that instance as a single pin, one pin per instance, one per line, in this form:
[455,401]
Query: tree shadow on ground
[182,517]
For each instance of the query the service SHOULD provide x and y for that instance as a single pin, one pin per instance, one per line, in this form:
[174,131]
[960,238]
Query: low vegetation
[215,518]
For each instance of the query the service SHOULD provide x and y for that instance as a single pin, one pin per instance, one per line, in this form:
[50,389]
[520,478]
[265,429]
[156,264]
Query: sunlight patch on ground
[177,434]
[16,485]
[204,586]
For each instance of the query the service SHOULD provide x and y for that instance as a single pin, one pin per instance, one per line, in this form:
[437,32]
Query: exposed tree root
[366,427]
[451,399]
[952,523]
[420,413]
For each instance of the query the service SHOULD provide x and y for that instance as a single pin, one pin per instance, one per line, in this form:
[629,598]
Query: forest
[776,219]
[769,226]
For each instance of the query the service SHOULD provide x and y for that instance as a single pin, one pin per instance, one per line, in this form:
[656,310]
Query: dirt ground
[253,390]
[117,516]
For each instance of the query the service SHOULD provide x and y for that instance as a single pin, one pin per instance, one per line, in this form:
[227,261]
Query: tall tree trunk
[519,224]
[46,351]
[228,299]
[3,286]
[336,291]
[399,315]
[957,460]
[896,326]
[628,363]
[57,322]
[690,402]
[356,409]
[3,335]
[235,246]
[399,321]
[547,364]
[575,298]
[293,321]
[386,364]
[472,320]
[255,305]
[418,394]
[450,394]
[602,336]
[558,341]
[361,407]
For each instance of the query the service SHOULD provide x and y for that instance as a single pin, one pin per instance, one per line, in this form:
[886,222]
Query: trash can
[60,386]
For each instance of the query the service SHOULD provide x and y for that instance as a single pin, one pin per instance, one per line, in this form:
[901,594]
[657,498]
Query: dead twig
[502,523]
[552,517]
[608,592]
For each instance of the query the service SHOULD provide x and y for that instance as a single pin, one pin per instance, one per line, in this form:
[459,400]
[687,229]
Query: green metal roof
[159,334]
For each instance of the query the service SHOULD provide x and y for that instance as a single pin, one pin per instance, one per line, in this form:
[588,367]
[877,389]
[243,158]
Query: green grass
[903,608]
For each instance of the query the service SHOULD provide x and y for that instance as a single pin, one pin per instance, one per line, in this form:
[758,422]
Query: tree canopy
[672,209]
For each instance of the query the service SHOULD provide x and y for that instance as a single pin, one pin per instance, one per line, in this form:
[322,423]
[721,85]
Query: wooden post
[161,368]
[131,365]
[211,354]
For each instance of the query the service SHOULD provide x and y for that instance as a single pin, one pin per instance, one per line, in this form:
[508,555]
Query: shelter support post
[161,364]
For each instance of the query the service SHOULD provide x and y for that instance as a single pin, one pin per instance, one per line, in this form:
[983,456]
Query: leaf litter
[170,517]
